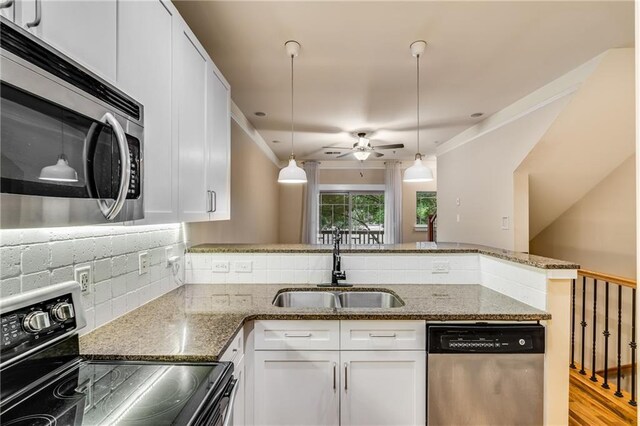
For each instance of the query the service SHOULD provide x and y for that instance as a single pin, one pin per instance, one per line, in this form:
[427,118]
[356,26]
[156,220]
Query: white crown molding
[242,121]
[563,86]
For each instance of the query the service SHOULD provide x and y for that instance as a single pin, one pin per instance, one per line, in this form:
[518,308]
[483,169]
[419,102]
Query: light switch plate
[243,266]
[143,263]
[220,266]
[440,266]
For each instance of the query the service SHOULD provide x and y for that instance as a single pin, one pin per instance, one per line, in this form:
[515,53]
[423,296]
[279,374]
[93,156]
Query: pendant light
[418,172]
[61,171]
[292,173]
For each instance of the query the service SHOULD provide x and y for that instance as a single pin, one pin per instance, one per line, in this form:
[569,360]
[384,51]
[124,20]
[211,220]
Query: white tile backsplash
[278,268]
[35,258]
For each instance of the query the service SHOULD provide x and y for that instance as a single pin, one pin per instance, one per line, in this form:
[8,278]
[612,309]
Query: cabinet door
[144,72]
[218,135]
[383,388]
[239,407]
[296,388]
[190,89]
[83,30]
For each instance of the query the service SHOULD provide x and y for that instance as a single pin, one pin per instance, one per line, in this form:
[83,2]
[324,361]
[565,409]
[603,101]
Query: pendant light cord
[292,106]
[418,102]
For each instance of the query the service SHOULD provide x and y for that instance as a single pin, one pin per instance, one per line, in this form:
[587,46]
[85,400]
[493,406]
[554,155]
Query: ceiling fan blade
[391,146]
[377,154]
[344,155]
[336,147]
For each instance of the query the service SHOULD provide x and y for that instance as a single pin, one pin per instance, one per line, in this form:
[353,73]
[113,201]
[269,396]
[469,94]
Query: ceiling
[355,71]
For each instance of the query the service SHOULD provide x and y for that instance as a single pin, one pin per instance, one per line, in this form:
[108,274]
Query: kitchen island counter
[198,322]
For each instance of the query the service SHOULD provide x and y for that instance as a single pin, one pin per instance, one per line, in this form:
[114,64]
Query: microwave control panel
[136,171]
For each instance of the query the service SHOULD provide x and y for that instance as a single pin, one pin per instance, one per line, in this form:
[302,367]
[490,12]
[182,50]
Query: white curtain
[311,201]
[392,203]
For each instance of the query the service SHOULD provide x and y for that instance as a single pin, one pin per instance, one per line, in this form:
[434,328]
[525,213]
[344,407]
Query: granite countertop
[406,248]
[198,322]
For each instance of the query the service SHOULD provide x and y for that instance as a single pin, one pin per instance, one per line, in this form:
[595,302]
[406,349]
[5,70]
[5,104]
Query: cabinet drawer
[300,335]
[235,351]
[383,335]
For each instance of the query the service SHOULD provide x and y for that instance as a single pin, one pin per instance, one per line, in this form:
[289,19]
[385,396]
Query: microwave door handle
[110,212]
[228,415]
[6,4]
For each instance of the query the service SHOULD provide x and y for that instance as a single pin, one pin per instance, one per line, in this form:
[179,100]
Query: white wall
[35,258]
[480,175]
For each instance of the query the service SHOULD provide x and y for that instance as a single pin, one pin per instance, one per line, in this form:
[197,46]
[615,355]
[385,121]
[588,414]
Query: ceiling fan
[362,149]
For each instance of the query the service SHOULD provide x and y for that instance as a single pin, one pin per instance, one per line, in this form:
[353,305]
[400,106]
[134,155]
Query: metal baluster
[633,345]
[583,323]
[618,392]
[606,334]
[573,323]
[593,377]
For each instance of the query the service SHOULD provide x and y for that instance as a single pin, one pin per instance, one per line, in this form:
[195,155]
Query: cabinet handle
[209,201]
[382,335]
[6,4]
[215,202]
[334,376]
[297,335]
[345,376]
[38,17]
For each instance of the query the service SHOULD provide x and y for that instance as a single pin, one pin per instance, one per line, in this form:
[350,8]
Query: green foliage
[367,210]
[426,205]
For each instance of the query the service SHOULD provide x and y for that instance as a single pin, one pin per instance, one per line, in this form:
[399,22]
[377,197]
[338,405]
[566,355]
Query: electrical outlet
[220,266]
[440,266]
[143,263]
[168,253]
[85,278]
[244,266]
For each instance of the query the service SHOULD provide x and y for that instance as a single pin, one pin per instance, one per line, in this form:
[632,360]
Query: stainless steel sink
[305,299]
[328,299]
[369,299]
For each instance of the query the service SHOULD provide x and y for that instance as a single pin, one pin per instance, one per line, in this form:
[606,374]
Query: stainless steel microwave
[71,147]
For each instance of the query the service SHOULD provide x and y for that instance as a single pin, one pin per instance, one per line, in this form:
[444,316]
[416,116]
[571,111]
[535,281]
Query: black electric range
[44,381]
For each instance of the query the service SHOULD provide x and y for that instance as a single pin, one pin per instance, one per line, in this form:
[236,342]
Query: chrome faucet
[336,273]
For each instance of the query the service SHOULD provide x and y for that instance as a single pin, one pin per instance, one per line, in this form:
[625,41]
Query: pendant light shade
[361,155]
[418,172]
[59,172]
[292,173]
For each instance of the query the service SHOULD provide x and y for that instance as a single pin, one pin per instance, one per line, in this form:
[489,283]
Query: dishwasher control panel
[485,338]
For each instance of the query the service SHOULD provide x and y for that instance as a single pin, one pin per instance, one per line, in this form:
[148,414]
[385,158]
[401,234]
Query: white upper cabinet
[219,139]
[83,30]
[190,85]
[144,72]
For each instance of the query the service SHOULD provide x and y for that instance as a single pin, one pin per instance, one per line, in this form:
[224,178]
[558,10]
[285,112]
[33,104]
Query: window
[426,205]
[358,215]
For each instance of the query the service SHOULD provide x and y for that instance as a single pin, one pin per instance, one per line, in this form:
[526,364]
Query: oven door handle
[228,414]
[110,212]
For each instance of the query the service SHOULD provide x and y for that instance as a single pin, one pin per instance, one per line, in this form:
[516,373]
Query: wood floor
[590,404]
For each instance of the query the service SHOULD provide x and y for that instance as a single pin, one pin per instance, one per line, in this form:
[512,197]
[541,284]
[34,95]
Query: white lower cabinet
[336,386]
[297,388]
[239,414]
[383,388]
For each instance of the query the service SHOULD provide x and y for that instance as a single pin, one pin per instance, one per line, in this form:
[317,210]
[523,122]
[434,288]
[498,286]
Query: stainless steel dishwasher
[485,374]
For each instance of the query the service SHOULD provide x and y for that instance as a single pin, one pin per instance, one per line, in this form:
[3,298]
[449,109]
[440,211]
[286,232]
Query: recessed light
[275,141]
[476,114]
[260,114]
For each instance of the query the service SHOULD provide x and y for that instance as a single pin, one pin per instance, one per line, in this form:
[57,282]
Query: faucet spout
[337,274]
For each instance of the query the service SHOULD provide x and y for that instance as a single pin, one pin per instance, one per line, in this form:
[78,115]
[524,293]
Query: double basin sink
[332,299]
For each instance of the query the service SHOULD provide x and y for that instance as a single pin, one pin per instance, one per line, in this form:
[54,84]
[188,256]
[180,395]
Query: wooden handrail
[612,279]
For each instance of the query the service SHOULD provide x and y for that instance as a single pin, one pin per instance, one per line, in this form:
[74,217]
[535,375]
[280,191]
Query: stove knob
[36,321]
[62,311]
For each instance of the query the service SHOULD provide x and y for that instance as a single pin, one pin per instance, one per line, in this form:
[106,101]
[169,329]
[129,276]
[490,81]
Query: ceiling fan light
[418,172]
[361,155]
[292,173]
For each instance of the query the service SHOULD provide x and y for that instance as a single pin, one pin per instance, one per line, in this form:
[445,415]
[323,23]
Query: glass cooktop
[122,393]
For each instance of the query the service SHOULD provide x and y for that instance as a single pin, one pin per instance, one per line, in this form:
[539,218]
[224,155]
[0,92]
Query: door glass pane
[43,144]
[359,216]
